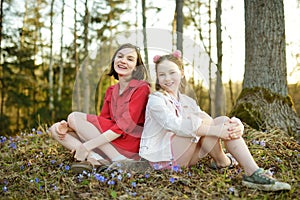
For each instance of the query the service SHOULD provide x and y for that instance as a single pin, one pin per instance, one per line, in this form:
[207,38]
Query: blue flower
[147,175]
[119,177]
[22,167]
[4,189]
[111,182]
[100,178]
[231,190]
[13,145]
[262,143]
[172,180]
[39,132]
[157,166]
[53,161]
[54,187]
[176,168]
[2,139]
[112,175]
[133,184]
[67,167]
[37,180]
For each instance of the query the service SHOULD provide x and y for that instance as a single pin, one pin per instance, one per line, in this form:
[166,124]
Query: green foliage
[34,166]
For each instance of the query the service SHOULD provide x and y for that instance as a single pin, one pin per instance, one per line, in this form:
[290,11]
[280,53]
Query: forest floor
[34,166]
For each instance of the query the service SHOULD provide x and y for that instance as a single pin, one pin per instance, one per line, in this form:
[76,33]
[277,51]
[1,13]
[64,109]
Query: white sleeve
[166,117]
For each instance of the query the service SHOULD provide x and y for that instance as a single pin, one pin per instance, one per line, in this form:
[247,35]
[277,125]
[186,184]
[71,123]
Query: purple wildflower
[67,167]
[111,182]
[133,184]
[100,178]
[231,190]
[119,177]
[4,189]
[147,175]
[172,180]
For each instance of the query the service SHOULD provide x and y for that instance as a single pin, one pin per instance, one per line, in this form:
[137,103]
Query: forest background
[48,66]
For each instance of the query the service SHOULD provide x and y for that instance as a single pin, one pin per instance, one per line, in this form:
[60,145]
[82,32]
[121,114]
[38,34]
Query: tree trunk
[1,62]
[179,24]
[61,66]
[264,100]
[76,98]
[144,31]
[51,98]
[219,100]
[86,84]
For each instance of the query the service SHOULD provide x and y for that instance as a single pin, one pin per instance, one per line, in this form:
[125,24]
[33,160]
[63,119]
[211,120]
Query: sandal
[233,163]
[79,167]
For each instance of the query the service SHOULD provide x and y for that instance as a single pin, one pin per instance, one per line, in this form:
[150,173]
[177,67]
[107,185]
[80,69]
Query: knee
[52,130]
[74,118]
[221,119]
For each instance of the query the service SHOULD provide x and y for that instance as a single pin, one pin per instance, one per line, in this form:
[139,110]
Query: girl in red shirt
[115,134]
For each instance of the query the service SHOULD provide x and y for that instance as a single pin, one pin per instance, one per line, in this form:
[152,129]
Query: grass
[34,166]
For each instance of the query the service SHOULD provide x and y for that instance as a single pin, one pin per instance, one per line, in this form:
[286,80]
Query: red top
[125,114]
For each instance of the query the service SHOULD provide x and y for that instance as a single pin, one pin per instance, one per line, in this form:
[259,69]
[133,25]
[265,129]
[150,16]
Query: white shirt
[163,120]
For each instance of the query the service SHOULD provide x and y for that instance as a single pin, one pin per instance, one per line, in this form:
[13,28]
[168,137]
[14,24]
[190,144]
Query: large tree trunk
[264,100]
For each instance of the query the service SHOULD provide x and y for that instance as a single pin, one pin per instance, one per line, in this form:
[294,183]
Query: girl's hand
[237,128]
[62,129]
[81,153]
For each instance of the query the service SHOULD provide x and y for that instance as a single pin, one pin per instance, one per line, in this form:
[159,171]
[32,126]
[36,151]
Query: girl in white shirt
[178,133]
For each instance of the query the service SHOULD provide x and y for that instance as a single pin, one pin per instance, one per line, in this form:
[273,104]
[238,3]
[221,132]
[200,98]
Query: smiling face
[169,76]
[125,62]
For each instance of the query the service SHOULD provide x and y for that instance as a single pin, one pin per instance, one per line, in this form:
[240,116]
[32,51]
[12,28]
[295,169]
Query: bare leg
[182,149]
[241,153]
[69,141]
[87,131]
[213,147]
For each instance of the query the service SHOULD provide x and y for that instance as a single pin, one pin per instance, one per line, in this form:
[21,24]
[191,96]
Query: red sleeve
[132,120]
[105,119]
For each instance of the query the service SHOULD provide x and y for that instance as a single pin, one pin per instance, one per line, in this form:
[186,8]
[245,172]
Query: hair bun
[156,58]
[177,53]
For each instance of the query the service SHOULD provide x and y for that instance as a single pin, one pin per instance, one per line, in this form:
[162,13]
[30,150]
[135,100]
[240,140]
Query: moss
[247,113]
[266,94]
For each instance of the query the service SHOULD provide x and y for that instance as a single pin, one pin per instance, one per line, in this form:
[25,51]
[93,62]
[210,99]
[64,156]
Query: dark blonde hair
[178,62]
[140,73]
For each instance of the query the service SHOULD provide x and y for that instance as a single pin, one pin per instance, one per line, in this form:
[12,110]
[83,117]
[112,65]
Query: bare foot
[62,129]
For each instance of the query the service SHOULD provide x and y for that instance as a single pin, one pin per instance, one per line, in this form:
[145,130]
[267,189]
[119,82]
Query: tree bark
[219,100]
[144,31]
[179,24]
[51,97]
[264,100]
